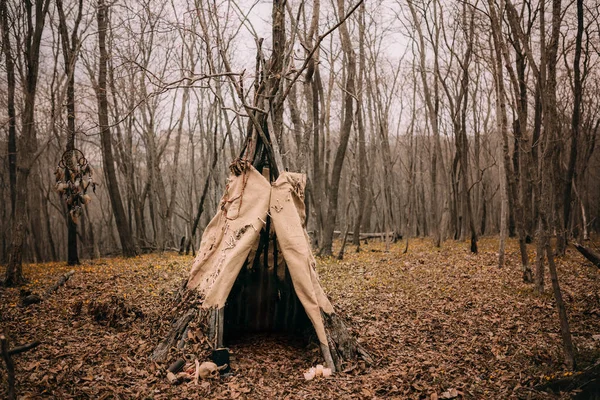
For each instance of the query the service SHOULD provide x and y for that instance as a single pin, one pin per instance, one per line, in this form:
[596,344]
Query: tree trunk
[28,144]
[14,269]
[127,243]
[10,102]
[51,242]
[548,169]
[69,50]
[275,99]
[125,150]
[539,260]
[346,129]
[523,172]
[565,330]
[34,212]
[511,175]
[432,114]
[505,185]
[174,178]
[575,126]
[463,143]
[590,254]
[209,173]
[362,152]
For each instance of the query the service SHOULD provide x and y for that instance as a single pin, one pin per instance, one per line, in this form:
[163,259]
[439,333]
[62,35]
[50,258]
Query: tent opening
[263,298]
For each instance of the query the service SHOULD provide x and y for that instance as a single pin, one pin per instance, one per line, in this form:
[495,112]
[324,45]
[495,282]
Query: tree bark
[125,152]
[548,168]
[10,367]
[432,114]
[346,129]
[10,102]
[522,156]
[28,144]
[565,330]
[502,123]
[458,109]
[590,254]
[575,126]
[215,157]
[70,50]
[362,152]
[127,243]
[175,174]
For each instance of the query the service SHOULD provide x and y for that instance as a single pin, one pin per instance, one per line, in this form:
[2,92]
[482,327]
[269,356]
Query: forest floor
[441,323]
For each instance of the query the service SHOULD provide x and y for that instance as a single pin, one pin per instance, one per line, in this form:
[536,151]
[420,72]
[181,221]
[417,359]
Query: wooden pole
[7,354]
[10,367]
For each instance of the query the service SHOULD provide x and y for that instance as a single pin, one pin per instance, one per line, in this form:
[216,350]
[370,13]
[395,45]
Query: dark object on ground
[10,366]
[30,299]
[113,312]
[61,281]
[176,366]
[373,235]
[586,383]
[182,245]
[27,298]
[221,358]
[589,254]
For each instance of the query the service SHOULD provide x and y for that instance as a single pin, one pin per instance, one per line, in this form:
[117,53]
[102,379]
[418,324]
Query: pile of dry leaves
[441,323]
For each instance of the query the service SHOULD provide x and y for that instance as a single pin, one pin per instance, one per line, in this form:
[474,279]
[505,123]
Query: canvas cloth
[229,237]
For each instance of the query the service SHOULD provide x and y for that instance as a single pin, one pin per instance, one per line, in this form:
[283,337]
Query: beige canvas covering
[235,230]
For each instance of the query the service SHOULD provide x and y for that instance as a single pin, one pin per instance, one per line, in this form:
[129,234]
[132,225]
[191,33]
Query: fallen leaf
[450,394]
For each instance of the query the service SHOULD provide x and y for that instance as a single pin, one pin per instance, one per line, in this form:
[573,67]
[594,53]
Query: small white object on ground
[310,374]
[197,373]
[319,370]
[171,377]
[208,370]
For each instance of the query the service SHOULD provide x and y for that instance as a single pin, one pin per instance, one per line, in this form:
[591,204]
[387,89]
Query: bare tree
[360,127]
[575,128]
[346,129]
[514,172]
[34,20]
[432,102]
[458,102]
[10,101]
[127,243]
[70,48]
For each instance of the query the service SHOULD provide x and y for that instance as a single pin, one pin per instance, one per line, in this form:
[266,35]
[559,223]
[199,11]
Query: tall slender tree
[430,94]
[34,19]
[575,128]
[127,242]
[346,130]
[70,48]
[362,151]
[10,102]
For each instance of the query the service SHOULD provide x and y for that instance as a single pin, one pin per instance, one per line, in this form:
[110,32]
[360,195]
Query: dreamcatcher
[73,179]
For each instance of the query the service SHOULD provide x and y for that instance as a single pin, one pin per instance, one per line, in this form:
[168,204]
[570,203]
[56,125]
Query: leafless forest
[411,118]
[469,125]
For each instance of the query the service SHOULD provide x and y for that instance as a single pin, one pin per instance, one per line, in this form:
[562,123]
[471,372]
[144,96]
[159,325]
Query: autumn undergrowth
[440,322]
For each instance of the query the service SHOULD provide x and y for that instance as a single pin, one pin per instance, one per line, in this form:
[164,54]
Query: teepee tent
[255,270]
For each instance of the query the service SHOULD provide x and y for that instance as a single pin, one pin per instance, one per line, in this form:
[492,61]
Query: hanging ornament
[73,179]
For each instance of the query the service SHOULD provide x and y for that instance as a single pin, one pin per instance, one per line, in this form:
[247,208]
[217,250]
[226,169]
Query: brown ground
[441,323]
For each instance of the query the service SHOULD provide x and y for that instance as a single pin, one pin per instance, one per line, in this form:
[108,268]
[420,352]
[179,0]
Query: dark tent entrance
[263,298]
